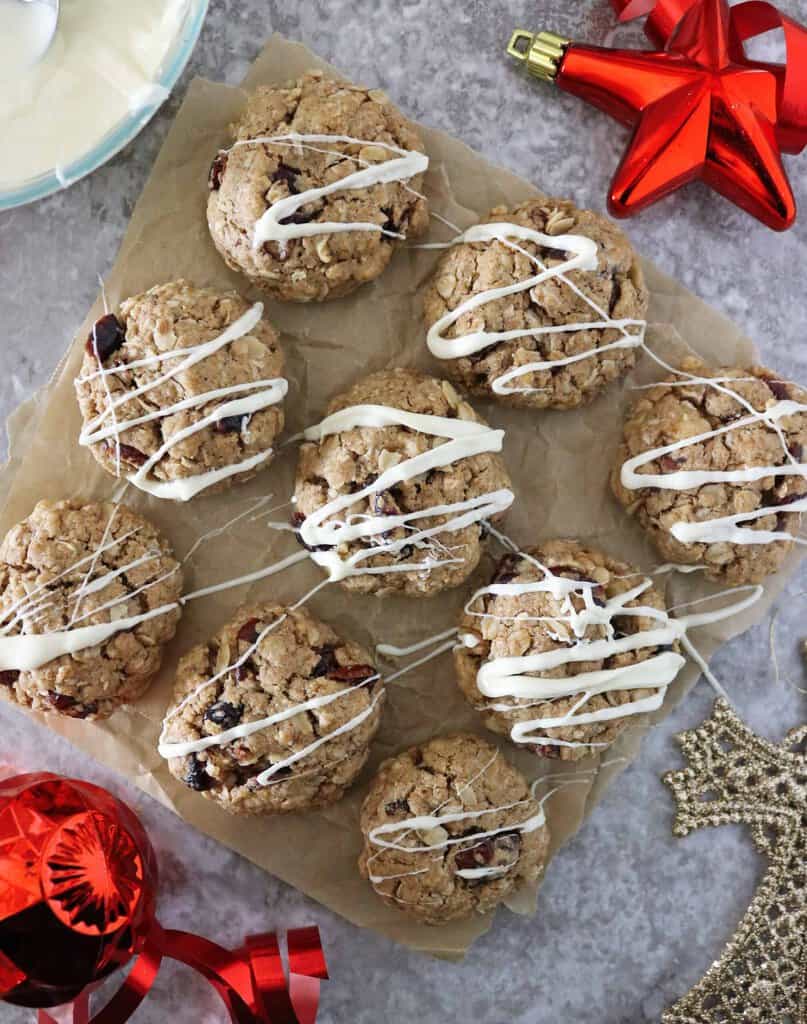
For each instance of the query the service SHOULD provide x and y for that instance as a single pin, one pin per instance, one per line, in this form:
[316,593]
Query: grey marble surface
[629,918]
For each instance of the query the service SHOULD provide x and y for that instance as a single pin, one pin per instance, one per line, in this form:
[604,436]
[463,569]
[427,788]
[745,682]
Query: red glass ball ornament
[78,878]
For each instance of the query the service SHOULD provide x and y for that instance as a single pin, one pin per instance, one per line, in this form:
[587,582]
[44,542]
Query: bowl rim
[120,135]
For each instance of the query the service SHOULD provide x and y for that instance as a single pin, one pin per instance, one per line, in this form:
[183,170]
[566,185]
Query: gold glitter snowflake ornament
[735,776]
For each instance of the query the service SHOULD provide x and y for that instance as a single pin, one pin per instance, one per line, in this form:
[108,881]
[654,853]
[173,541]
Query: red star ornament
[700,109]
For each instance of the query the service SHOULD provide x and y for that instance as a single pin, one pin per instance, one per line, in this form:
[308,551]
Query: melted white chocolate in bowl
[102,66]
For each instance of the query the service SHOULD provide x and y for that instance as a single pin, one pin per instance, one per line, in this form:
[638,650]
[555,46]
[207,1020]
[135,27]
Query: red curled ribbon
[687,26]
[251,980]
[78,886]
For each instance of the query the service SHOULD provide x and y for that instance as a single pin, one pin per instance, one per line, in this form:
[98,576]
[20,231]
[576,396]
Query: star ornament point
[699,107]
[690,122]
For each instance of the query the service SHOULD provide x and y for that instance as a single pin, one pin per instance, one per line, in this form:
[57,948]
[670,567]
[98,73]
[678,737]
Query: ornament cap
[541,52]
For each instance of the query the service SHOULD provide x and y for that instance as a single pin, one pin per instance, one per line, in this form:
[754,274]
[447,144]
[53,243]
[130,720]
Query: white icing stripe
[726,529]
[354,723]
[584,257]
[407,164]
[250,577]
[27,652]
[504,677]
[464,439]
[685,480]
[25,605]
[167,750]
[241,327]
[523,732]
[268,392]
[402,829]
[425,822]
[508,678]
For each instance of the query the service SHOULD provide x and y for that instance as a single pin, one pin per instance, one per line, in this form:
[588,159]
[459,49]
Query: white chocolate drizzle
[732,529]
[430,840]
[464,439]
[26,652]
[524,682]
[270,227]
[254,396]
[267,777]
[583,257]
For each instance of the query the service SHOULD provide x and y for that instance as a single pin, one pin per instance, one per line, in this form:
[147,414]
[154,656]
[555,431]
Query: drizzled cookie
[541,306]
[564,647]
[274,713]
[88,600]
[394,486]
[322,183]
[449,829]
[712,466]
[181,391]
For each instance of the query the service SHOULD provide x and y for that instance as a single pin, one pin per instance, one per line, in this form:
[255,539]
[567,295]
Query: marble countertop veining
[629,918]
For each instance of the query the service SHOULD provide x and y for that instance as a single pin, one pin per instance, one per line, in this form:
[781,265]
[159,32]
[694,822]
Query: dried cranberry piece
[106,337]
[230,424]
[298,217]
[380,506]
[288,175]
[297,521]
[129,454]
[69,706]
[327,661]
[546,750]
[224,714]
[500,848]
[60,701]
[217,169]
[779,388]
[506,569]
[244,670]
[9,677]
[195,775]
[670,464]
[476,857]
[352,673]
[786,499]
[389,224]
[248,632]
[796,450]
[397,807]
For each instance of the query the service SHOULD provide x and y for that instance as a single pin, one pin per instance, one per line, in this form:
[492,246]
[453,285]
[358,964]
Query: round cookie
[517,624]
[351,461]
[271,661]
[739,530]
[69,566]
[470,829]
[249,178]
[615,290]
[136,344]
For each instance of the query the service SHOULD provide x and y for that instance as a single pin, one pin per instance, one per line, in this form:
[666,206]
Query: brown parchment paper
[559,463]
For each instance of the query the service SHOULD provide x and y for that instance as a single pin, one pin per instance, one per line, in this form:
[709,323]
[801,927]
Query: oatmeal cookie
[615,289]
[351,461]
[688,425]
[249,178]
[516,625]
[69,566]
[323,692]
[469,829]
[177,317]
